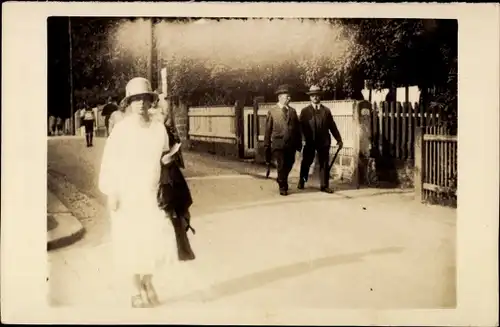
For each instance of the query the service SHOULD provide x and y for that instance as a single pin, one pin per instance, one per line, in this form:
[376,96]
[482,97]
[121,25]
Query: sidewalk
[63,228]
[352,249]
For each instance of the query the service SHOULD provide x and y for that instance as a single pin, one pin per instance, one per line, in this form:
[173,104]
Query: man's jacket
[282,130]
[316,126]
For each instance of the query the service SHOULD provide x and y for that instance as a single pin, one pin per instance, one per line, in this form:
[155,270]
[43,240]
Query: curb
[63,228]
[69,230]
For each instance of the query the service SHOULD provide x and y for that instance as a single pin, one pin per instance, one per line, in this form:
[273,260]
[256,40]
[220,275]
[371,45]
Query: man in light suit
[282,137]
[316,122]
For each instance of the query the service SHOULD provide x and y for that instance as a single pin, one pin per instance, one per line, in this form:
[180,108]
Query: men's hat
[283,89]
[315,89]
[138,86]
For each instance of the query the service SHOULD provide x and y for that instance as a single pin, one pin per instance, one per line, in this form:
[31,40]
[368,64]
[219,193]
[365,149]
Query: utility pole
[72,117]
[151,54]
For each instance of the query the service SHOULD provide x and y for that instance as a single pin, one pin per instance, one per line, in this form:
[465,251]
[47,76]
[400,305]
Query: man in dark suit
[316,122]
[282,137]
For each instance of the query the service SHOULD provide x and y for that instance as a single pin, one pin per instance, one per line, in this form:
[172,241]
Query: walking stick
[333,160]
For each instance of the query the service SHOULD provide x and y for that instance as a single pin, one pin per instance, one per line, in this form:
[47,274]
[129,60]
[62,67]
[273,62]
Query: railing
[394,124]
[435,165]
[212,124]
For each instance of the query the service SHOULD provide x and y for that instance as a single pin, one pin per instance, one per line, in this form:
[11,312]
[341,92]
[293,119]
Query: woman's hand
[169,157]
[166,159]
[113,202]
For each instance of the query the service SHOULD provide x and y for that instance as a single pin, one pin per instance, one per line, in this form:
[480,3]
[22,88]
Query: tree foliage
[389,52]
[403,52]
[100,70]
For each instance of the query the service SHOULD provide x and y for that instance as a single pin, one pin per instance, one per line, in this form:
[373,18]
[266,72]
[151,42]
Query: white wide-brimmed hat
[138,86]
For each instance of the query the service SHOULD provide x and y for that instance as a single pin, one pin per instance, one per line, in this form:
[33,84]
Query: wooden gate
[436,170]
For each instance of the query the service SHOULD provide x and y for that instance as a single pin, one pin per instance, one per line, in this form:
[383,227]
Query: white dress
[142,236]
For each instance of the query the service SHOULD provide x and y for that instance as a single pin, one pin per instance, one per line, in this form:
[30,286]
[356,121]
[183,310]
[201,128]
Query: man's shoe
[301,184]
[283,192]
[326,190]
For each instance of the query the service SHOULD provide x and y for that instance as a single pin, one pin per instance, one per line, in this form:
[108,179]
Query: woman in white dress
[143,239]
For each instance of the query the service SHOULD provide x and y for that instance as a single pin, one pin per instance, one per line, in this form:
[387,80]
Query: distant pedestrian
[67,126]
[107,111]
[143,239]
[117,116]
[282,137]
[59,126]
[88,120]
[52,125]
[317,123]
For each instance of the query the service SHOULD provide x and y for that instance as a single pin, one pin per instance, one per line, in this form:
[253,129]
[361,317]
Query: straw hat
[315,89]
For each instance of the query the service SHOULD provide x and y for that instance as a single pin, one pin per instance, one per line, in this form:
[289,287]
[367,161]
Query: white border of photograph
[24,151]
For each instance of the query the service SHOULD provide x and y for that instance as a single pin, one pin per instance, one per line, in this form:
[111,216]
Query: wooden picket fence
[436,169]
[394,124]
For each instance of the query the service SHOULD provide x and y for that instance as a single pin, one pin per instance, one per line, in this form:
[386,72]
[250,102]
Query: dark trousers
[323,158]
[285,158]
[89,131]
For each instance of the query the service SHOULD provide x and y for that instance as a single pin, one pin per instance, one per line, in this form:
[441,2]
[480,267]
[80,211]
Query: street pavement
[354,249]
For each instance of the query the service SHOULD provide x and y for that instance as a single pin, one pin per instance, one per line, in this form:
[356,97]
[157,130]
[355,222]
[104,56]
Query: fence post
[419,163]
[256,130]
[362,145]
[239,127]
[76,119]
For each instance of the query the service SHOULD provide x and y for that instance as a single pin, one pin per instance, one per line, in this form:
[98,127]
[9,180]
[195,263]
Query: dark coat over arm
[173,136]
[174,196]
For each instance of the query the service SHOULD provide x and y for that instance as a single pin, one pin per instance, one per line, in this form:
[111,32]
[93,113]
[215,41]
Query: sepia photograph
[315,158]
[269,163]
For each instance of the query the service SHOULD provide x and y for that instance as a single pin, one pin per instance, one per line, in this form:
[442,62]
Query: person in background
[88,121]
[67,126]
[157,111]
[282,137]
[107,111]
[118,115]
[52,125]
[143,240]
[317,123]
[59,126]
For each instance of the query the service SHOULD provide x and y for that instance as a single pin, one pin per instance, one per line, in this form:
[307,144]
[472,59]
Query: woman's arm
[167,157]
[109,175]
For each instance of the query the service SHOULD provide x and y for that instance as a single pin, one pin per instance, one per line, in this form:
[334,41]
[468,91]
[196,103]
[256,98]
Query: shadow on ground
[264,277]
